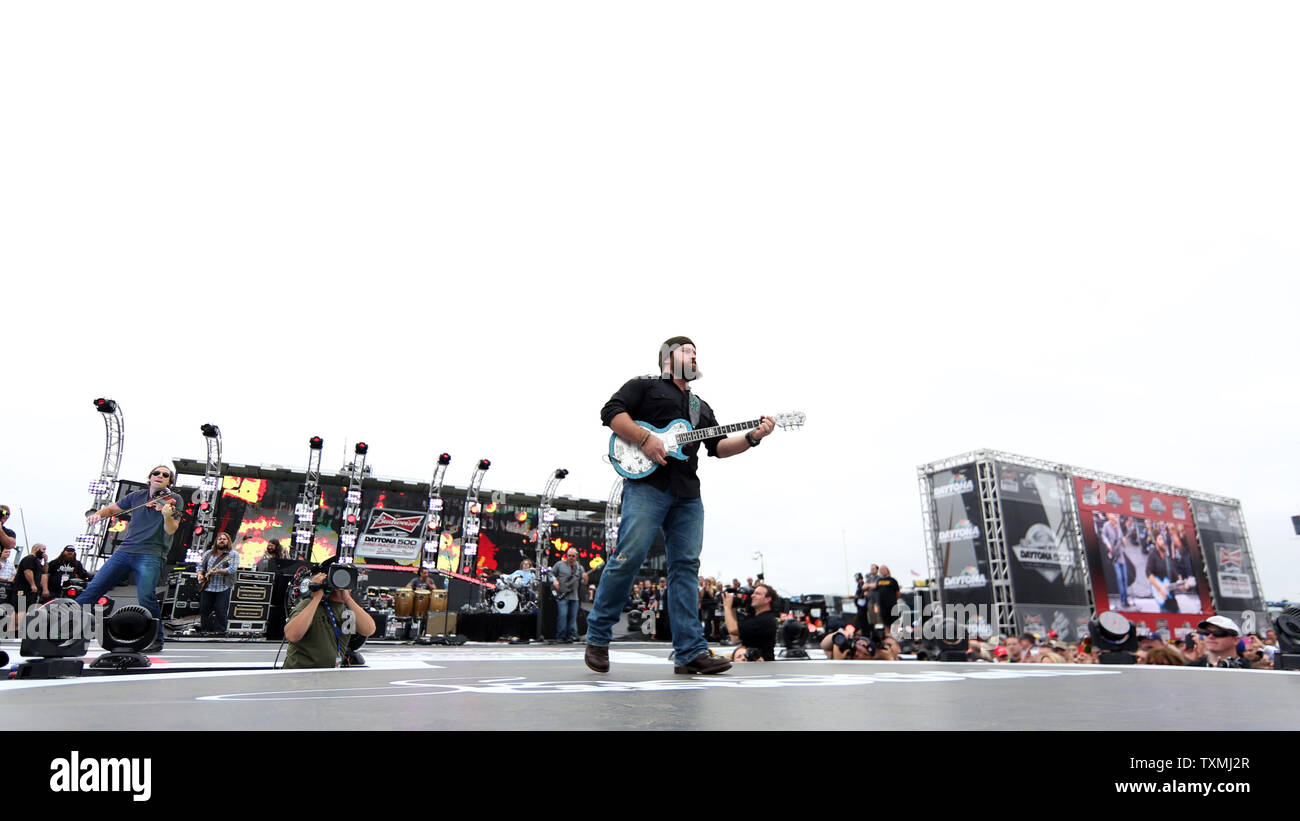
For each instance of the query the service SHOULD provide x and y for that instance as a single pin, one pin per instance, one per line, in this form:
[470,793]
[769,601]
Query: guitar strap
[694,409]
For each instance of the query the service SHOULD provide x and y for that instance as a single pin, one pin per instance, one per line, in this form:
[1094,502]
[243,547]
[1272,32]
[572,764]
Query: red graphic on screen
[487,554]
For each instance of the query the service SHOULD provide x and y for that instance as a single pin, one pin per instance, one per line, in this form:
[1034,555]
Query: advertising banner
[1045,561]
[1231,567]
[1143,555]
[961,552]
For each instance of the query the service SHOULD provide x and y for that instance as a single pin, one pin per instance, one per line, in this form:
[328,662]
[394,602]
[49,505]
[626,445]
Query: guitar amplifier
[251,592]
[242,611]
[440,623]
[253,577]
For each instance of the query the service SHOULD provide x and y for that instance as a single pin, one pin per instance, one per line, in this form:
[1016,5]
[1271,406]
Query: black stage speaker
[283,570]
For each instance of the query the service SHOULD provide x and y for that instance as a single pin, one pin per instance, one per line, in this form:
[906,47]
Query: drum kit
[514,595]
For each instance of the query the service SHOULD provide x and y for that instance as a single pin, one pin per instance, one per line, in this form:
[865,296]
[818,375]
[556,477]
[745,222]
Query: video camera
[337,577]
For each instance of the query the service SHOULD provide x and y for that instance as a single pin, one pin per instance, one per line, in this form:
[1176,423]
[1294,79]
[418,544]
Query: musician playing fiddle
[144,545]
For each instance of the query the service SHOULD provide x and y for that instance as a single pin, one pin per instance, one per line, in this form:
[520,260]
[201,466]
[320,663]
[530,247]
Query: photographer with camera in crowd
[849,644]
[756,633]
[325,636]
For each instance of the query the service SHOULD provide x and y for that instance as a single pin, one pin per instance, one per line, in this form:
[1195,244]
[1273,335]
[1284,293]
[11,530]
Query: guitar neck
[719,430]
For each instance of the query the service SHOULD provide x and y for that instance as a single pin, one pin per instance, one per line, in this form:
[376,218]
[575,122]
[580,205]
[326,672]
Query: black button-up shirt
[658,401]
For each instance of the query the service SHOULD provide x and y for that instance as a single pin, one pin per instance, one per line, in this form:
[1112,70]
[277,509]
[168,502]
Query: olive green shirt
[318,647]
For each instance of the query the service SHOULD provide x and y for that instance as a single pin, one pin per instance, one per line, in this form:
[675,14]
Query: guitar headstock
[790,421]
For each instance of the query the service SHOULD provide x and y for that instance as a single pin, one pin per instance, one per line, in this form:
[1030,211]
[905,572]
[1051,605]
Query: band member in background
[143,546]
[217,581]
[423,581]
[273,552]
[668,498]
[567,578]
[524,576]
[59,571]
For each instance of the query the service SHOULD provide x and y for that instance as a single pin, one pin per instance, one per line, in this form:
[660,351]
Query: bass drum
[505,601]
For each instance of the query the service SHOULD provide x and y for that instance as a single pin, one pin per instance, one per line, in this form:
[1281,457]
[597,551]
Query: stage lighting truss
[352,511]
[469,549]
[433,524]
[101,489]
[612,516]
[205,512]
[304,528]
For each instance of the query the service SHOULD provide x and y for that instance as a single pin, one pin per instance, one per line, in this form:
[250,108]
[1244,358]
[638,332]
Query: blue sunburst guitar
[630,462]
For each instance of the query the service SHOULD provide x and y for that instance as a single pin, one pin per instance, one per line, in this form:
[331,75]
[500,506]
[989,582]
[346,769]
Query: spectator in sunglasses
[1221,636]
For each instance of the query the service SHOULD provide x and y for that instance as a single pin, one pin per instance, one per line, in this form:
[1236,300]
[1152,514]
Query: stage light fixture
[210,431]
[198,529]
[354,497]
[362,447]
[430,547]
[484,464]
[444,459]
[549,515]
[98,487]
[86,541]
[1115,636]
[105,405]
[475,508]
[316,443]
[1287,625]
[61,622]
[348,540]
[210,483]
[126,634]
[433,522]
[302,537]
[561,473]
[794,638]
[352,519]
[204,506]
[435,505]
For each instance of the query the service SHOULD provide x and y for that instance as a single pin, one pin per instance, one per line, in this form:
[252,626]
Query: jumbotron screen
[1143,555]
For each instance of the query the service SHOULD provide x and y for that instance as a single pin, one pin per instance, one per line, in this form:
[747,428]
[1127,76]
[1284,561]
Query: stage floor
[547,687]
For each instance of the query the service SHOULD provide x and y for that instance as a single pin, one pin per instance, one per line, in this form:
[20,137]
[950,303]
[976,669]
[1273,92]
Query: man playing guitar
[667,498]
[216,573]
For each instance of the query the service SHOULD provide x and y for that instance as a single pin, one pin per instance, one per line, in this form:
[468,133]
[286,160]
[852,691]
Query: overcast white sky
[1066,232]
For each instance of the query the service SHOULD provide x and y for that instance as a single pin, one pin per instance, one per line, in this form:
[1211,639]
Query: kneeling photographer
[325,636]
[757,632]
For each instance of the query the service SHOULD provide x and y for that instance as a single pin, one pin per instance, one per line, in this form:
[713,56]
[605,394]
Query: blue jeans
[645,511]
[566,619]
[147,569]
[212,610]
[1121,580]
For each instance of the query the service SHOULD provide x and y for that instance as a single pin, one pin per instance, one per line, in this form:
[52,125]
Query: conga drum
[403,601]
[421,603]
